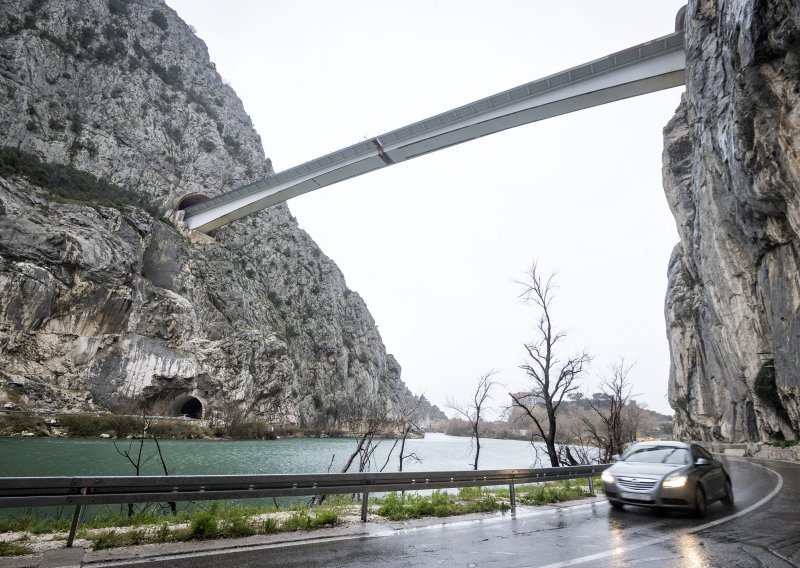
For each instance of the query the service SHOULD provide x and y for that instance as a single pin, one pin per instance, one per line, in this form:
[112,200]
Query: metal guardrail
[18,492]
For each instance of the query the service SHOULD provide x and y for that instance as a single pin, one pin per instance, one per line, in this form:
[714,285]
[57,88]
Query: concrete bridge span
[656,65]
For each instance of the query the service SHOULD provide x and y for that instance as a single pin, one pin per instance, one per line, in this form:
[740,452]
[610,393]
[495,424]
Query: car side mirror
[615,458]
[702,461]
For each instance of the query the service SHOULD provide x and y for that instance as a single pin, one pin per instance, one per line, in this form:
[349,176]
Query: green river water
[23,457]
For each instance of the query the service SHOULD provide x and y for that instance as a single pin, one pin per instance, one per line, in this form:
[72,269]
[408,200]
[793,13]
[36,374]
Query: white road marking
[620,550]
[524,514]
[528,514]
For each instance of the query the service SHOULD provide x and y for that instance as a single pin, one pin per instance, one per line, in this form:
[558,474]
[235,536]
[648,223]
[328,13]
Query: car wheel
[700,503]
[728,497]
[616,505]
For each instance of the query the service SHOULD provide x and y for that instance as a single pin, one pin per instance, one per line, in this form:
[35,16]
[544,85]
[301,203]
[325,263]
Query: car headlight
[607,477]
[676,481]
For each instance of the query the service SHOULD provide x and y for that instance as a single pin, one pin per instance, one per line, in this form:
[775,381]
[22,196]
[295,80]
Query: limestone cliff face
[732,179]
[99,303]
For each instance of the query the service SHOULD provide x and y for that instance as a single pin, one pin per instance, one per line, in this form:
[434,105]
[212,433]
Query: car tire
[700,502]
[727,498]
[616,505]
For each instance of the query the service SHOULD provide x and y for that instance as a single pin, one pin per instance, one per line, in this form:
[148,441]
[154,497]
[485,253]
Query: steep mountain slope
[732,178]
[102,301]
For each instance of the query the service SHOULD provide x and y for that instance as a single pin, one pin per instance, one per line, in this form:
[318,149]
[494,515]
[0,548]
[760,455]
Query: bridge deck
[642,69]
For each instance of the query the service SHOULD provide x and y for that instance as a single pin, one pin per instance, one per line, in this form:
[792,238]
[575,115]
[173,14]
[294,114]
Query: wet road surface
[762,529]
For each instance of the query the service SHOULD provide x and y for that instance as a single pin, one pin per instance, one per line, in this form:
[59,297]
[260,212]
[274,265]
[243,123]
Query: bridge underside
[639,70]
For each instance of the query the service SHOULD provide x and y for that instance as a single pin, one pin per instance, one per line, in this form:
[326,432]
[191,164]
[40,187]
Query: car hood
[655,470]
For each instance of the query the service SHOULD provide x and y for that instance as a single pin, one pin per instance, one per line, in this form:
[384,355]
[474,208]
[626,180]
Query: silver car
[667,475]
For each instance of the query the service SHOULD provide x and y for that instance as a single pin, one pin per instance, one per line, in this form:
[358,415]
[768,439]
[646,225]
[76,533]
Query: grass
[550,493]
[34,525]
[218,521]
[784,443]
[14,549]
[398,506]
[222,520]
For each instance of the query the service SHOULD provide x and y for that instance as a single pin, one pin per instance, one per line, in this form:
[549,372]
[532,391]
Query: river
[22,457]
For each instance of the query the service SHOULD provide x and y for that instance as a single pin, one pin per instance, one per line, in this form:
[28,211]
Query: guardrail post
[591,485]
[364,504]
[75,518]
[513,496]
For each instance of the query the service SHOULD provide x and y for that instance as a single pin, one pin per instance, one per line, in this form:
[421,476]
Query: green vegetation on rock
[67,184]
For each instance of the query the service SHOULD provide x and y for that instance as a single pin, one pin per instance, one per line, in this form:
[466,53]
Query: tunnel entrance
[190,200]
[188,405]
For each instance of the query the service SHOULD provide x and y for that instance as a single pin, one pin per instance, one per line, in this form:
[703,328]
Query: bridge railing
[23,492]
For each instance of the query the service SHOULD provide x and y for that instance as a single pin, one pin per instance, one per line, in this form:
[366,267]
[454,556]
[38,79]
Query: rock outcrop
[101,302]
[732,179]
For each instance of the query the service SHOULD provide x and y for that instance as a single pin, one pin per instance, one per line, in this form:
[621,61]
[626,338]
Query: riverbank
[113,426]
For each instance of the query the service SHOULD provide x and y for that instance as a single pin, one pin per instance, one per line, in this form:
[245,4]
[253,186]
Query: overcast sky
[435,245]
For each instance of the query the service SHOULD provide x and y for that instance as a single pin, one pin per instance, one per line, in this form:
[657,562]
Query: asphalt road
[762,529]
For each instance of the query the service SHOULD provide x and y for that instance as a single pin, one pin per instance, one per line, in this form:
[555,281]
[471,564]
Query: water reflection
[616,542]
[48,456]
[691,550]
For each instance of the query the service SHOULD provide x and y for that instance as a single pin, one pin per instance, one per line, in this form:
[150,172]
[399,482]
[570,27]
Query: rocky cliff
[732,175]
[106,299]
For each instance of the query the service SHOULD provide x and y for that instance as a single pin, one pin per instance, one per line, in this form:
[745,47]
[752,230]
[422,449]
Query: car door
[710,474]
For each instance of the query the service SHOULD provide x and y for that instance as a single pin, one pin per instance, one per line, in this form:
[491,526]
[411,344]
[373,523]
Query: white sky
[434,245]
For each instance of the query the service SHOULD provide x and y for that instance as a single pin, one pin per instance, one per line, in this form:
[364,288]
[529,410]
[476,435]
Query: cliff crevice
[103,296]
[731,165]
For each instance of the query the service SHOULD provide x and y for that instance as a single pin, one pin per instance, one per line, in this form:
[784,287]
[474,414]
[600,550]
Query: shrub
[110,539]
[68,184]
[207,146]
[163,534]
[56,125]
[14,549]
[174,133]
[239,525]
[232,144]
[544,494]
[159,19]
[784,443]
[204,524]
[75,123]
[171,76]
[269,525]
[765,385]
[297,521]
[274,299]
[15,423]
[86,37]
[137,536]
[118,7]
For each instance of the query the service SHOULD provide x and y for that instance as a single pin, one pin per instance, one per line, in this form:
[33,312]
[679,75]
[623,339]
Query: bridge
[653,66]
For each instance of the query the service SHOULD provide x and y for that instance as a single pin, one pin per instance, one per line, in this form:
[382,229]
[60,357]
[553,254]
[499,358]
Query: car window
[658,454]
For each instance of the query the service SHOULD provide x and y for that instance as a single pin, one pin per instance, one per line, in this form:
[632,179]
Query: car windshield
[658,454]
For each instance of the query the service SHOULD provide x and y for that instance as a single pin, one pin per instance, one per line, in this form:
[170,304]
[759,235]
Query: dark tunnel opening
[190,200]
[192,408]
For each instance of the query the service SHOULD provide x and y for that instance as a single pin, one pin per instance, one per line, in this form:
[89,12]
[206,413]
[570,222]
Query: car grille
[636,483]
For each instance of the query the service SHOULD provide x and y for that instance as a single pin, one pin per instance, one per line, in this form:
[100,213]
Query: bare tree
[552,378]
[617,417]
[406,424]
[473,410]
[137,456]
[364,425]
